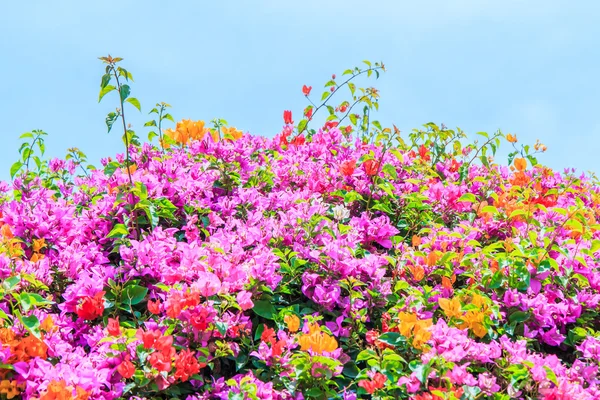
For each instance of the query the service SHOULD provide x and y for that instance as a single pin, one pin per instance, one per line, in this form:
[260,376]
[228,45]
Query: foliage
[339,261]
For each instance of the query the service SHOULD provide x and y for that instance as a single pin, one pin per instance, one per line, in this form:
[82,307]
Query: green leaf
[391,170]
[264,309]
[325,95]
[26,301]
[169,117]
[124,92]
[134,294]
[134,102]
[105,90]
[366,355]
[468,197]
[353,119]
[392,338]
[110,119]
[32,324]
[152,135]
[119,231]
[10,283]
[15,168]
[26,135]
[350,370]
[302,125]
[150,123]
[551,375]
[519,316]
[105,80]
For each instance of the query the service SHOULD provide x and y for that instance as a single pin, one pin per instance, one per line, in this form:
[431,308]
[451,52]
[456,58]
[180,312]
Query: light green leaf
[105,90]
[134,102]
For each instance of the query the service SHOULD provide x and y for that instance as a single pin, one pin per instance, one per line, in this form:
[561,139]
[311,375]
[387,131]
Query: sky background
[530,68]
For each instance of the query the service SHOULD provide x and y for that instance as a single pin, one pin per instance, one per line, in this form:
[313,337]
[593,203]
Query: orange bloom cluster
[317,341]
[37,246]
[293,322]
[8,243]
[58,390]
[10,388]
[187,130]
[231,133]
[22,348]
[472,319]
[418,329]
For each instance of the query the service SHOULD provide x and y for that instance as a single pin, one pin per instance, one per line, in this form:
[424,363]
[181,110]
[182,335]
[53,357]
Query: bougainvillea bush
[339,260]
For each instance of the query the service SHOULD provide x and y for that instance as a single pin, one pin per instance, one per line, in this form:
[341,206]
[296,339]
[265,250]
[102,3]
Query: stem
[160,136]
[480,148]
[335,90]
[31,152]
[127,161]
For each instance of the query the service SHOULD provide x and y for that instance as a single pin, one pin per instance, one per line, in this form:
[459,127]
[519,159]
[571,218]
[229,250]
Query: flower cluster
[318,266]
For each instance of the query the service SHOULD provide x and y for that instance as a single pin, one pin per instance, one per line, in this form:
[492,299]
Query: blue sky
[530,68]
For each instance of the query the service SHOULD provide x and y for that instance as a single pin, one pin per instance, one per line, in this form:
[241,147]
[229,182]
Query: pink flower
[244,300]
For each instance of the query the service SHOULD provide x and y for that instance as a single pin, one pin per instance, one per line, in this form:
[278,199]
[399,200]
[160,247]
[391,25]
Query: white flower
[340,212]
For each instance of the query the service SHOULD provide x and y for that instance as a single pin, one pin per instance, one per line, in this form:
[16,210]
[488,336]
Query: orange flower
[432,258]
[412,326]
[447,283]
[58,390]
[417,272]
[416,241]
[6,231]
[421,333]
[38,244]
[47,324]
[511,138]
[520,164]
[293,322]
[187,130]
[452,308]
[36,257]
[407,323]
[231,133]
[10,388]
[7,335]
[317,341]
[473,320]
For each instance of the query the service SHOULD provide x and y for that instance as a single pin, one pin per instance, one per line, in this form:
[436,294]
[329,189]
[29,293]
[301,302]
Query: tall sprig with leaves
[116,72]
[159,110]
[28,152]
[368,97]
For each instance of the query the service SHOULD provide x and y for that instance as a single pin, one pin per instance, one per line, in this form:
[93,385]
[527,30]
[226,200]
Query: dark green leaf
[264,308]
[134,294]
[105,80]
[110,119]
[124,92]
